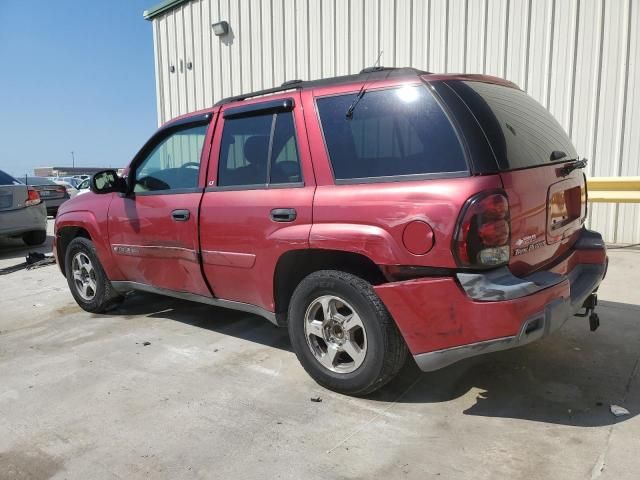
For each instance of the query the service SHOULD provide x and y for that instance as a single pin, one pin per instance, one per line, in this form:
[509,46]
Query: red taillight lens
[483,232]
[33,197]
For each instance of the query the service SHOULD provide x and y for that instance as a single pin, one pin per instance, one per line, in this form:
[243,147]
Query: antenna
[377,64]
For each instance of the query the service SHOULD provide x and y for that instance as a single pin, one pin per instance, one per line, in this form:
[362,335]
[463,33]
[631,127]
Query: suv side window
[259,150]
[174,163]
[392,132]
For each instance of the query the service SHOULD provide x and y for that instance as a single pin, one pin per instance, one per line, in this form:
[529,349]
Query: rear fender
[368,240]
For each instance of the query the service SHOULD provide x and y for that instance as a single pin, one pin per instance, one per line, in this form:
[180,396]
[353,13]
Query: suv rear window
[393,132]
[522,133]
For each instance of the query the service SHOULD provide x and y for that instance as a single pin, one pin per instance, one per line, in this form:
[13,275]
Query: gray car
[22,212]
[52,194]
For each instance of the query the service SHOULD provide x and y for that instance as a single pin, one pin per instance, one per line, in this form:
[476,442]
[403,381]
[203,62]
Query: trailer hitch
[589,306]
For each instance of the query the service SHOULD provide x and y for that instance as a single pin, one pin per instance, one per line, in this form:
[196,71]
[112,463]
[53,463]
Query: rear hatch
[13,194]
[539,169]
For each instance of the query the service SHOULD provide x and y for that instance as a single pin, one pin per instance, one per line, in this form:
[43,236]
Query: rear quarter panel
[370,218]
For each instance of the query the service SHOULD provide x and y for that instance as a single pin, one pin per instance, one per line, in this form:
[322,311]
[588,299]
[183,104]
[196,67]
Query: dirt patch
[28,464]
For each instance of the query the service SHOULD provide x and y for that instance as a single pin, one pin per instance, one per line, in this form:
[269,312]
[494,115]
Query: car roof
[367,75]
[371,74]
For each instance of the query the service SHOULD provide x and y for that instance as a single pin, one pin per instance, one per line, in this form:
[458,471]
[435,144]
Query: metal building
[579,58]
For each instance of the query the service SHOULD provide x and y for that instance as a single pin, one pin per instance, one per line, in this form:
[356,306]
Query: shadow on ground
[570,378]
[16,249]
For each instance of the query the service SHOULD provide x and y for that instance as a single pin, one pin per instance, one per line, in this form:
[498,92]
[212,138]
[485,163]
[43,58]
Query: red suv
[375,215]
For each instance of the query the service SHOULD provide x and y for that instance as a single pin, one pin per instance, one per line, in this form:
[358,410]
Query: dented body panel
[230,246]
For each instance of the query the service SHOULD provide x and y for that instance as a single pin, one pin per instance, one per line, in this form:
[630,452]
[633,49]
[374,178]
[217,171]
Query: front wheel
[87,281]
[343,335]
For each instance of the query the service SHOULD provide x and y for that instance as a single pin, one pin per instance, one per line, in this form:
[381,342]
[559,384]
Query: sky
[74,76]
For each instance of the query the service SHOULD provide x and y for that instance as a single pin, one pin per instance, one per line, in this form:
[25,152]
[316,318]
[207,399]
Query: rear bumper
[23,220]
[53,204]
[444,320]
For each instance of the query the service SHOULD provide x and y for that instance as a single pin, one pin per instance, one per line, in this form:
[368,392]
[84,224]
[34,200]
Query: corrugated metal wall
[579,58]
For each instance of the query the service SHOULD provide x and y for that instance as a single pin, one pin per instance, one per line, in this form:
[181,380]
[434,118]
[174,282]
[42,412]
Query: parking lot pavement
[219,394]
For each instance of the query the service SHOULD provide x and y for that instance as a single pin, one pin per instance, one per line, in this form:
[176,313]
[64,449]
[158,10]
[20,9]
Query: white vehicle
[83,187]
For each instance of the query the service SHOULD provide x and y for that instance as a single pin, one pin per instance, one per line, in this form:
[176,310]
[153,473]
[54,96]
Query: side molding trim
[124,286]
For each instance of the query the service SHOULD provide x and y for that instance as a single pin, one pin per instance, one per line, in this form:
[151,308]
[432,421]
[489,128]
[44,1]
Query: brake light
[33,197]
[483,233]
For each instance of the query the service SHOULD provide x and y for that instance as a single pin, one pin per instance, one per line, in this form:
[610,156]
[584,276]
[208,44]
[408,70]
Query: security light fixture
[221,28]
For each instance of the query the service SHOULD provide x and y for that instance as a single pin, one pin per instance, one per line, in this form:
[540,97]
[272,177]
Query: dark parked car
[52,194]
[22,213]
[376,215]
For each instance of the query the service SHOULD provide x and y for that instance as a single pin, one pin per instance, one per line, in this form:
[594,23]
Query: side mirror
[107,181]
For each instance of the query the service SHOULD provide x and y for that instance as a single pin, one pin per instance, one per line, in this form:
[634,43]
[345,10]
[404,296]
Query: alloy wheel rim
[84,276]
[335,334]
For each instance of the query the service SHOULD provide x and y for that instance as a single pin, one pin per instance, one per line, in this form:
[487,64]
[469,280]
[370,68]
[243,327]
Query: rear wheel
[343,335]
[35,237]
[87,281]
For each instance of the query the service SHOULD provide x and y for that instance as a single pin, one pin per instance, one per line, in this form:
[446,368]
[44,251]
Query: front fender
[97,230]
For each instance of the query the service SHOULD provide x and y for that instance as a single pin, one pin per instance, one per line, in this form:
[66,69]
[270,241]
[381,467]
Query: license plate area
[566,208]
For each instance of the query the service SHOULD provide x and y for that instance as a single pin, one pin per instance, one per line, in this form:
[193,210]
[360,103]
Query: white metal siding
[579,58]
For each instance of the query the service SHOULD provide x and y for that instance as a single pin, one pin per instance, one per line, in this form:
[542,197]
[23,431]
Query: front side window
[259,150]
[390,133]
[174,163]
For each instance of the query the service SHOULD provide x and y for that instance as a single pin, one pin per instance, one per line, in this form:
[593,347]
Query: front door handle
[180,215]
[283,214]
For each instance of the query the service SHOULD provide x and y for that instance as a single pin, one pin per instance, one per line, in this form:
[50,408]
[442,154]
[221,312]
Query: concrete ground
[219,394]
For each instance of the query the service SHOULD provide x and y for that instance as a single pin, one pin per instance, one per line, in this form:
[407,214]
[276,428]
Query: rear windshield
[39,181]
[392,133]
[6,179]
[522,132]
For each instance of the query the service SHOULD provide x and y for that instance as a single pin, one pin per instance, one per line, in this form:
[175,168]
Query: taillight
[61,189]
[33,197]
[482,238]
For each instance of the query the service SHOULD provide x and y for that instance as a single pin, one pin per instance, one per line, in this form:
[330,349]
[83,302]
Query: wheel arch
[295,265]
[84,224]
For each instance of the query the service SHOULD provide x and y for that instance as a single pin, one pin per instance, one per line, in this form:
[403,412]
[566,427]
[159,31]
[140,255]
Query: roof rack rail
[290,85]
[290,82]
[300,84]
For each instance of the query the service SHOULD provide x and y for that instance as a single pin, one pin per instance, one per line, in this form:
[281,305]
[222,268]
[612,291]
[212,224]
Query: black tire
[104,296]
[386,350]
[35,237]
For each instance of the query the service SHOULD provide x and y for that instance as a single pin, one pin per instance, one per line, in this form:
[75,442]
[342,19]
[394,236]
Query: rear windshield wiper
[574,165]
[352,107]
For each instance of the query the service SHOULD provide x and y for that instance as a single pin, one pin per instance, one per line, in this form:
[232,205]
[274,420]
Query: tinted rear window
[39,181]
[522,132]
[393,132]
[6,179]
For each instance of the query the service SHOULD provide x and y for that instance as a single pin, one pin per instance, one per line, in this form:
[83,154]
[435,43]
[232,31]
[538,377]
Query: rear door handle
[180,215]
[283,214]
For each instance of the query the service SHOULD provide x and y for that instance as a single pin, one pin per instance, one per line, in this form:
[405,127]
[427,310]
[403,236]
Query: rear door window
[522,133]
[391,133]
[259,150]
